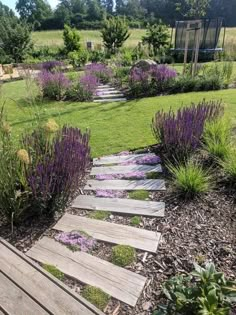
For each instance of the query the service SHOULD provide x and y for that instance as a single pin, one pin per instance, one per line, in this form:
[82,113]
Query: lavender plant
[53,85]
[180,133]
[100,70]
[51,65]
[84,89]
[58,165]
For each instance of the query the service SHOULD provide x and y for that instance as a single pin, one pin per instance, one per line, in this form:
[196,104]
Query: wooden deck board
[49,292]
[124,169]
[124,206]
[110,232]
[146,184]
[14,301]
[118,282]
[116,159]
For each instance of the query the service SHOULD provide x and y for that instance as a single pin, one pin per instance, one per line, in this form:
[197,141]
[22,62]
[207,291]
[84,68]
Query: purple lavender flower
[51,65]
[75,238]
[130,175]
[99,70]
[148,160]
[53,85]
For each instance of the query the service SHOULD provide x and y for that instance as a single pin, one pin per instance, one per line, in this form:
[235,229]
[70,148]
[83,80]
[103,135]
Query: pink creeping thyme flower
[130,175]
[109,193]
[75,238]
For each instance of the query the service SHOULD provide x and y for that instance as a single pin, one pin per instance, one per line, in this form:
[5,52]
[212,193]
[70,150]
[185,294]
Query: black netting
[209,33]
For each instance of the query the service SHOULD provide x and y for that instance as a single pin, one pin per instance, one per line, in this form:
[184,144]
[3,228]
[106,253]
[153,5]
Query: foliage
[71,39]
[54,271]
[84,89]
[53,85]
[123,255]
[190,179]
[217,138]
[59,158]
[205,291]
[101,71]
[139,195]
[78,58]
[96,296]
[14,194]
[194,8]
[114,33]
[229,166]
[99,215]
[151,82]
[51,65]
[15,38]
[157,37]
[97,56]
[180,133]
[76,240]
[135,221]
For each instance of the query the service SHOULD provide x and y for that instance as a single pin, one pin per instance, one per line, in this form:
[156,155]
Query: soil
[202,230]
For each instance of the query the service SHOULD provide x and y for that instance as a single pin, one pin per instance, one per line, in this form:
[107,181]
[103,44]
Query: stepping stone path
[107,93]
[120,283]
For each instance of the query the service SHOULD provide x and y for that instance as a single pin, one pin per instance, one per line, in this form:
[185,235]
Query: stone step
[110,100]
[118,205]
[124,169]
[110,232]
[117,159]
[109,96]
[118,282]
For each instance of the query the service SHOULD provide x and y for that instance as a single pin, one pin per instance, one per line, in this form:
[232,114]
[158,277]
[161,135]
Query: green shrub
[99,215]
[123,255]
[139,194]
[203,292]
[71,39]
[229,166]
[135,220]
[97,56]
[190,179]
[216,138]
[78,58]
[96,296]
[54,271]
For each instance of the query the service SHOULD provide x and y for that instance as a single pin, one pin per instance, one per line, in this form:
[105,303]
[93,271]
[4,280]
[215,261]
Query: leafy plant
[135,220]
[54,271]
[123,255]
[139,195]
[217,138]
[115,32]
[96,296]
[190,179]
[157,37]
[99,215]
[71,39]
[83,89]
[180,133]
[51,65]
[205,291]
[78,58]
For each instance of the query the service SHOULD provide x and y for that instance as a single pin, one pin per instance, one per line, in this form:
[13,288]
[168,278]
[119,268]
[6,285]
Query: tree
[33,11]
[194,8]
[157,37]
[71,39]
[108,5]
[15,38]
[6,11]
[114,33]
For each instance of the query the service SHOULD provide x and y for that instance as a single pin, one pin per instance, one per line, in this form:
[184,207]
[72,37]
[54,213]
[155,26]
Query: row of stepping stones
[107,93]
[116,281]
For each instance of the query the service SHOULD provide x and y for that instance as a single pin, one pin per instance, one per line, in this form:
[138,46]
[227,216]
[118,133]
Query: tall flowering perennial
[51,65]
[58,168]
[152,81]
[180,133]
[101,71]
[53,85]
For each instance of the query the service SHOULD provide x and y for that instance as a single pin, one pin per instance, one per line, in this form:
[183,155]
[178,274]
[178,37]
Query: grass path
[114,126]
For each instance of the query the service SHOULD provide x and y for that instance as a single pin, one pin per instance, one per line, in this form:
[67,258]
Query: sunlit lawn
[114,126]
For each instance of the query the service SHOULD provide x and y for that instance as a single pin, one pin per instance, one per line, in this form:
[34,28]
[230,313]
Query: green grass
[54,38]
[115,126]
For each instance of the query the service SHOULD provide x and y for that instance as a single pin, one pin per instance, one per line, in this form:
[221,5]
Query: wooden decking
[116,159]
[27,289]
[124,169]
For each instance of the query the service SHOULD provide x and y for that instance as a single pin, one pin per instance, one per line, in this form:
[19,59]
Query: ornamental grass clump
[53,85]
[180,133]
[101,71]
[190,179]
[229,166]
[59,159]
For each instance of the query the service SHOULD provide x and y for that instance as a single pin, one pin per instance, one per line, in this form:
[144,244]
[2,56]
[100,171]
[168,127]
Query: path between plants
[120,283]
[107,93]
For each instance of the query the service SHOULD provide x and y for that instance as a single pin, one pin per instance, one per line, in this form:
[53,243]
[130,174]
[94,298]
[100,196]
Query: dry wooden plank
[126,206]
[15,301]
[124,169]
[50,293]
[115,184]
[116,159]
[110,232]
[118,282]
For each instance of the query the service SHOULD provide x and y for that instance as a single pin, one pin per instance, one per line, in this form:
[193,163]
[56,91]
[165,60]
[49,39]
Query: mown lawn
[114,126]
